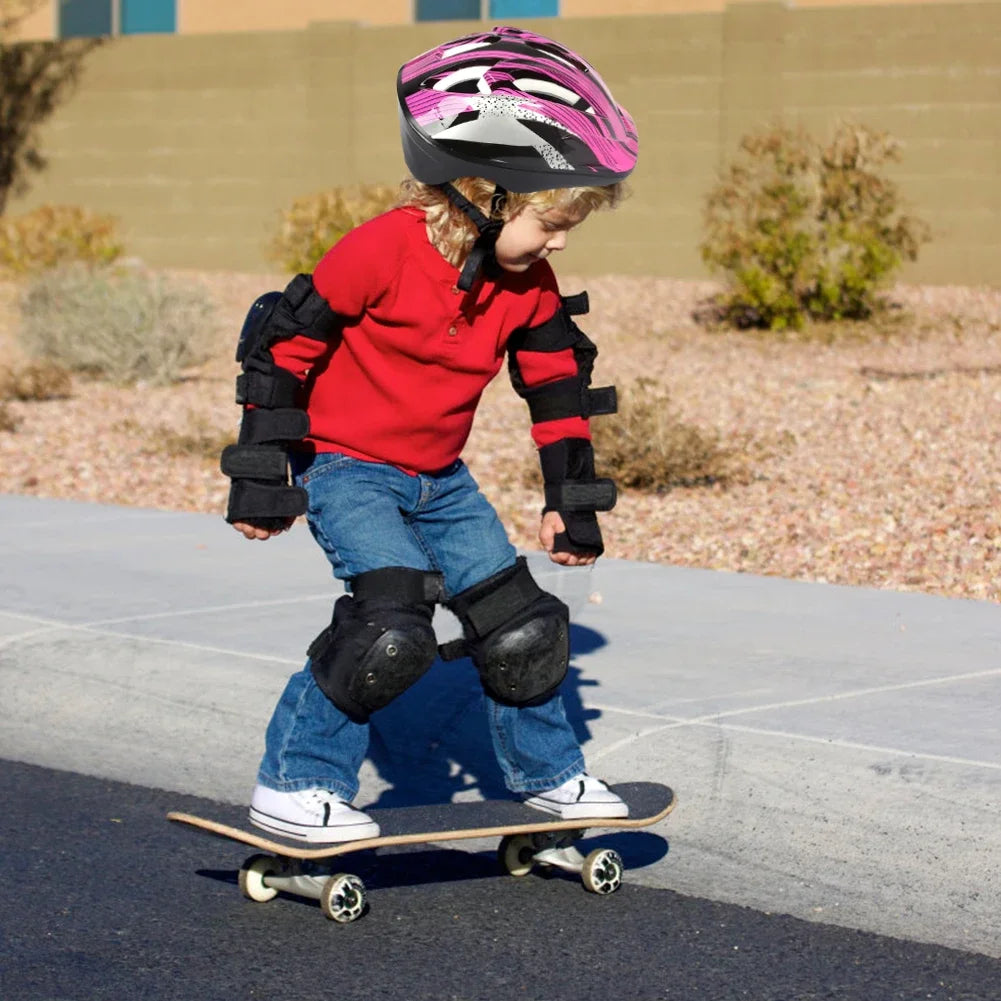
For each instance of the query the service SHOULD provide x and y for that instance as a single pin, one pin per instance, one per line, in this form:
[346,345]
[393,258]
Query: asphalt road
[106,900]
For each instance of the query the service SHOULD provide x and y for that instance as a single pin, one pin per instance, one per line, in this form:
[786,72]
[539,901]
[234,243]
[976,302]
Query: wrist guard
[573,490]
[258,467]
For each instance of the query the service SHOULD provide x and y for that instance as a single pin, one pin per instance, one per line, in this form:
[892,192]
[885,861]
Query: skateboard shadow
[432,744]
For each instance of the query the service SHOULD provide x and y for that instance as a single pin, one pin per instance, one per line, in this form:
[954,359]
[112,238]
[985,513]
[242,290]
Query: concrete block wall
[196,142]
[928,75]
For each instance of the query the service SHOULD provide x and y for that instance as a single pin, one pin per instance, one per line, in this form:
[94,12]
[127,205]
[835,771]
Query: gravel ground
[871,461]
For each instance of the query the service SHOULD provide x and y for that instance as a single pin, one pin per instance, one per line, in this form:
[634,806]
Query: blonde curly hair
[453,233]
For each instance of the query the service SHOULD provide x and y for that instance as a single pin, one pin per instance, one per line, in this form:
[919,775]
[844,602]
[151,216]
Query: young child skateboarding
[364,378]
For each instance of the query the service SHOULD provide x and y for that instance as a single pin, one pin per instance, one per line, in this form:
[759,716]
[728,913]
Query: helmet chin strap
[481,256]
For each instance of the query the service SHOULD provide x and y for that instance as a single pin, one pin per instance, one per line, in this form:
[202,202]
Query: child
[364,378]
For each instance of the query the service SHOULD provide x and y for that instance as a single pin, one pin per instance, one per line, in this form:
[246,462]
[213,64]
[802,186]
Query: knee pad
[379,642]
[517,635]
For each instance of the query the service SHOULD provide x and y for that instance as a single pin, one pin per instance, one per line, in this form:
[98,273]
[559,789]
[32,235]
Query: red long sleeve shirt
[402,383]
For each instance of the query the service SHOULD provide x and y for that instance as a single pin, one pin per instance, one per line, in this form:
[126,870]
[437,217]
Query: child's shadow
[433,743]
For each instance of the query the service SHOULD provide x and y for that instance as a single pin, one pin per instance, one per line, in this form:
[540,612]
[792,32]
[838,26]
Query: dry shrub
[199,439]
[807,232]
[314,223]
[56,234]
[36,381]
[121,324]
[647,446]
[8,422]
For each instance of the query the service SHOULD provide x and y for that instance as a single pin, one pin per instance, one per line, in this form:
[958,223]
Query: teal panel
[84,18]
[508,10]
[148,17]
[447,10]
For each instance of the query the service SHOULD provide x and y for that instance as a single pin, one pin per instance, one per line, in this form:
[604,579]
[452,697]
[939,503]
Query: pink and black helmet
[516,108]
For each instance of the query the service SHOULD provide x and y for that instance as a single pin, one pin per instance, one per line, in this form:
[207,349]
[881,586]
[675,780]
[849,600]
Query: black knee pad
[517,635]
[380,641]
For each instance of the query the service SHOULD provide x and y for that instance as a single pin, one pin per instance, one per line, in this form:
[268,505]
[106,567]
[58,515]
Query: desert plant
[314,223]
[648,446]
[56,234]
[36,381]
[8,422]
[807,232]
[123,324]
[199,439]
[35,77]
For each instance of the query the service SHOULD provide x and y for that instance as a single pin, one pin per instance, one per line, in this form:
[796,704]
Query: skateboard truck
[341,895]
[599,870]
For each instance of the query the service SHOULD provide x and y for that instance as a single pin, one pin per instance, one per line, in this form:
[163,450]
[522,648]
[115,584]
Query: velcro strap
[568,398]
[284,424]
[577,305]
[254,462]
[272,389]
[556,334]
[454,649]
[319,647]
[498,600]
[583,535]
[402,584]
[250,500]
[581,495]
[305,311]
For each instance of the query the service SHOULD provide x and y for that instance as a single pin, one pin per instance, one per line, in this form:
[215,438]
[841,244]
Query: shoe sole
[313,834]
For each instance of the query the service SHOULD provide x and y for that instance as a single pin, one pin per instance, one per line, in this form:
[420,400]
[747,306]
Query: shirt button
[452,331]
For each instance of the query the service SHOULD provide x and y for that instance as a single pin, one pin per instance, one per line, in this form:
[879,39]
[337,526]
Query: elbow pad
[570,397]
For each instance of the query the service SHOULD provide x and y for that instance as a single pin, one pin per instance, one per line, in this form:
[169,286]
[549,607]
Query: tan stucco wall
[39,22]
[196,142]
[198,17]
[211,16]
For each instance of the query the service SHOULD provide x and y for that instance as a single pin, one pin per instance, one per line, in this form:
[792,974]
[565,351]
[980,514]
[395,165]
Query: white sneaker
[314,815]
[579,797]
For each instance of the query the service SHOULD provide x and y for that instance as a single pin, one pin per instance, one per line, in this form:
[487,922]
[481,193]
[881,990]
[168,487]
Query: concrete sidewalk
[836,751]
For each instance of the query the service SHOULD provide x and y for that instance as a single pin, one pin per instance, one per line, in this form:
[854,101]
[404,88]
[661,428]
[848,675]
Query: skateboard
[528,838]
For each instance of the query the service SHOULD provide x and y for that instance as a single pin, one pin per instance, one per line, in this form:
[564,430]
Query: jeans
[367,516]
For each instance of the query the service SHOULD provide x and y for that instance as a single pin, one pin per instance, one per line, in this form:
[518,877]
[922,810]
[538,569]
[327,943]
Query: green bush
[807,232]
[314,223]
[56,234]
[122,324]
[647,446]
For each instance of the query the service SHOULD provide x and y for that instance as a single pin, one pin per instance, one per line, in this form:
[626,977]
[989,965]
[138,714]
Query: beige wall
[39,22]
[197,142]
[213,16]
[198,17]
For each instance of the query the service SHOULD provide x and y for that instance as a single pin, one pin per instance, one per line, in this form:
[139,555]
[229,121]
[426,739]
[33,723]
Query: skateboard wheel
[517,854]
[252,876]
[343,898]
[602,872]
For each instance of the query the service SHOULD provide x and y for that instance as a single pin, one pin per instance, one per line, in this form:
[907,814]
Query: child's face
[532,235]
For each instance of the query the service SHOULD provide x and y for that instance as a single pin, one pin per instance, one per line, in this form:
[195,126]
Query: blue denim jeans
[367,516]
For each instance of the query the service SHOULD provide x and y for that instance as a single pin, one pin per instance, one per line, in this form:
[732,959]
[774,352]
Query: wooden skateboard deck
[528,836]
